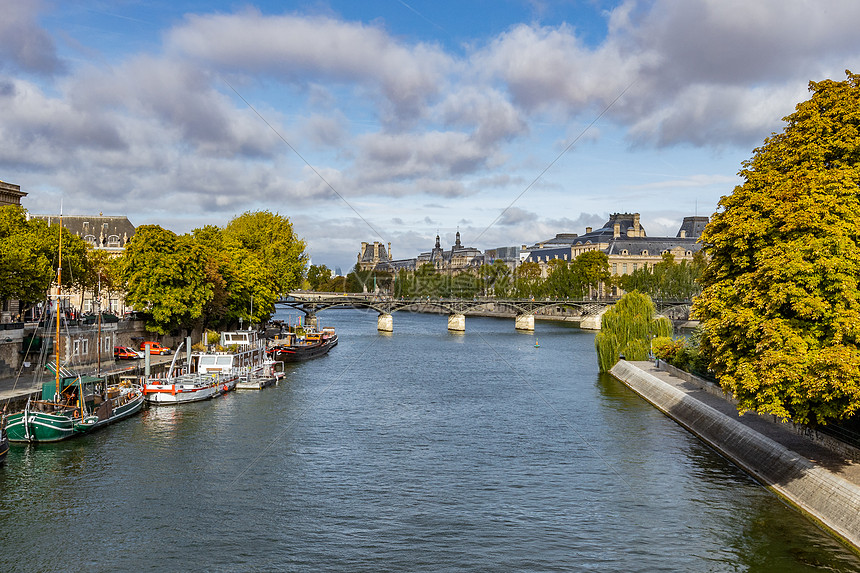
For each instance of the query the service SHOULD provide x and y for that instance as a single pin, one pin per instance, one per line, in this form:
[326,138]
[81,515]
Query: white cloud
[298,49]
[24,44]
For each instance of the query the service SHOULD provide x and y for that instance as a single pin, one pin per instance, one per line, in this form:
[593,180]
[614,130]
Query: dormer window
[624,252]
[644,253]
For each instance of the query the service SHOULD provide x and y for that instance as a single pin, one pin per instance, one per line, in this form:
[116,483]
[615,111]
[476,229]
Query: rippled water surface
[417,451]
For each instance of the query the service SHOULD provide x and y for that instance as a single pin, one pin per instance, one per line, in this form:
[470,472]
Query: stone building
[455,260]
[10,194]
[625,242]
[374,257]
[109,233]
[103,232]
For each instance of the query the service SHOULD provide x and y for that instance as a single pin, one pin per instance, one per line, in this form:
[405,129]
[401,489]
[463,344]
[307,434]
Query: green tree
[528,280]
[271,236]
[594,268]
[28,257]
[781,304]
[502,281]
[319,277]
[627,329]
[267,260]
[565,280]
[667,279]
[164,274]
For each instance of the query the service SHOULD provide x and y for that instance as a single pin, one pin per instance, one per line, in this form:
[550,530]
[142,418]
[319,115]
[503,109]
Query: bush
[667,348]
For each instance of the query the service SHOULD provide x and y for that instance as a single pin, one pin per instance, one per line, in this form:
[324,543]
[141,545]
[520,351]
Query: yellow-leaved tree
[780,303]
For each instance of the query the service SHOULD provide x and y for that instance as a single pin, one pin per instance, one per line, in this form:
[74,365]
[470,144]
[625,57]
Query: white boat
[267,374]
[210,373]
[181,388]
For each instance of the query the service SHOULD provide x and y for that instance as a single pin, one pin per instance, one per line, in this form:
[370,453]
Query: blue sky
[396,120]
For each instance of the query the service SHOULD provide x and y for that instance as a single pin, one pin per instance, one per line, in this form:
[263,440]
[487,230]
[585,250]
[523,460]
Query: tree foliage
[667,279]
[319,278]
[28,256]
[164,274]
[627,329]
[780,303]
[212,277]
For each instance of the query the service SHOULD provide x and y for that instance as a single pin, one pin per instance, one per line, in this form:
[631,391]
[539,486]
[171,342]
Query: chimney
[375,250]
[389,250]
[636,224]
[588,229]
[616,230]
[683,233]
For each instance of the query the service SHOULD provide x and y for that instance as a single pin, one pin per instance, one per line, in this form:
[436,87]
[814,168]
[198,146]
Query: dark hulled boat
[293,347]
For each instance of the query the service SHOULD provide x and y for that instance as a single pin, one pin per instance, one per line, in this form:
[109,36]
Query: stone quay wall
[828,498]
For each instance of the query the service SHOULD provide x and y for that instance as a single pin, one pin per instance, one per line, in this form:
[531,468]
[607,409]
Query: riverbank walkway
[815,472]
[820,454]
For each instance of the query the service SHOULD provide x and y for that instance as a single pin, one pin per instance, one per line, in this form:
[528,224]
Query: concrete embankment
[822,483]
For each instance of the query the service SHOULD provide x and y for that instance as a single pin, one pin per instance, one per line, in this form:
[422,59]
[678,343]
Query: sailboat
[71,404]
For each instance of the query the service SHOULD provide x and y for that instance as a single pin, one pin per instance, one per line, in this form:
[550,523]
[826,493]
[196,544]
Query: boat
[268,373]
[186,385]
[4,439]
[209,374]
[299,345]
[71,404]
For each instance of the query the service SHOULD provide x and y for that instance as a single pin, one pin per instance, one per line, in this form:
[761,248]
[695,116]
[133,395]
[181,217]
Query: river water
[417,451]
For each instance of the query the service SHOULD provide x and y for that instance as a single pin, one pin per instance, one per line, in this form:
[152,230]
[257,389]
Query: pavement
[843,461]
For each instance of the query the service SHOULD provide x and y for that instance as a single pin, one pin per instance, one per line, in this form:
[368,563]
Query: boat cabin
[242,339]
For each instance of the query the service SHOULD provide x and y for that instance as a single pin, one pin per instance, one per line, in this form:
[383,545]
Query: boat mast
[99,339]
[57,309]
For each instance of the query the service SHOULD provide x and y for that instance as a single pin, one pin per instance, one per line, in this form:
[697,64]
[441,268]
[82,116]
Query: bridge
[524,310]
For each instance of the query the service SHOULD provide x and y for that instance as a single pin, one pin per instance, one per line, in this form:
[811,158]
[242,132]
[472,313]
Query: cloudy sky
[395,120]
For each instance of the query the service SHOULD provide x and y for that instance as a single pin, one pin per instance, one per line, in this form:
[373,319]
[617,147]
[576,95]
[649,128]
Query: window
[106,344]
[624,268]
[624,252]
[113,241]
[85,347]
[634,267]
[644,253]
[614,268]
[76,350]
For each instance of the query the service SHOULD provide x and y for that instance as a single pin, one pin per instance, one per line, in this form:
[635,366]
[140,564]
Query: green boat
[83,404]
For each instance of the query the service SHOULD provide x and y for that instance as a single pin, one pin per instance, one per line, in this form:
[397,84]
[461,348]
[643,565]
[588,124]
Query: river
[417,451]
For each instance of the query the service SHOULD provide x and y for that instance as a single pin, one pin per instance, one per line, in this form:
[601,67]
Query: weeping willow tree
[627,329]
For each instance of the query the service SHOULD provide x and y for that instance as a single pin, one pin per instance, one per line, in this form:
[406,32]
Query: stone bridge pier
[385,322]
[525,322]
[457,322]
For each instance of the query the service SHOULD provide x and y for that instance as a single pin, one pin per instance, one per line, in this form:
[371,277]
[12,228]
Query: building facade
[625,242]
[10,194]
